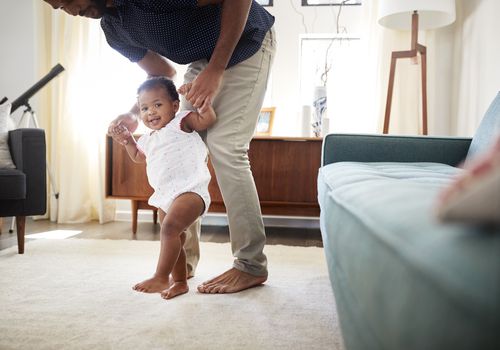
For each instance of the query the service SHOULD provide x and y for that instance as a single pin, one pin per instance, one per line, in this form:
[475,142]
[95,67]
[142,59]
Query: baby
[176,166]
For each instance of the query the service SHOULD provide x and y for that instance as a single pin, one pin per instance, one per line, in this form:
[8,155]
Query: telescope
[24,98]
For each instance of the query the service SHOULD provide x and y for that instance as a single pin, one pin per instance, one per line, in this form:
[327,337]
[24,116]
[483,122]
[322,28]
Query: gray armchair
[23,190]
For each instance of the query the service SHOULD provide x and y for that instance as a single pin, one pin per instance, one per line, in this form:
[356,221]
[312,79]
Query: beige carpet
[76,294]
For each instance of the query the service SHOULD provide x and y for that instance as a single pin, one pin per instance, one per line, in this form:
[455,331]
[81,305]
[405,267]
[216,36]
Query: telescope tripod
[30,113]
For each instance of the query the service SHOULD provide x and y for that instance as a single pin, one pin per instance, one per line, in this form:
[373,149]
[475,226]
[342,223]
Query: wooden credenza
[285,171]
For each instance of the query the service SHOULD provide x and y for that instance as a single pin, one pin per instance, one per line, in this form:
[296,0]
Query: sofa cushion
[403,280]
[488,130]
[13,184]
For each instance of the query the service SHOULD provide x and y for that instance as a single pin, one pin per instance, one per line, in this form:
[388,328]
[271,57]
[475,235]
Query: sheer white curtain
[97,85]
[476,50]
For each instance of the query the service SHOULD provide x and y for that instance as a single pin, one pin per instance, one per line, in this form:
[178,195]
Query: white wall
[17,47]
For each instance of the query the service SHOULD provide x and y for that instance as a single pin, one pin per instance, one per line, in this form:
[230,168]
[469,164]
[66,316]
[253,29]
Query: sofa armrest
[27,147]
[389,148]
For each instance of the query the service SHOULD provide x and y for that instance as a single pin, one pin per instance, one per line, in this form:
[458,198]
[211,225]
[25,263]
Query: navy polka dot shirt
[178,30]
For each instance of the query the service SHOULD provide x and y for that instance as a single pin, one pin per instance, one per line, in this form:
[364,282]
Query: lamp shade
[396,14]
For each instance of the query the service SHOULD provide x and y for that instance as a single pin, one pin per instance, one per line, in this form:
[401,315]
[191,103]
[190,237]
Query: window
[330,2]
[265,2]
[333,61]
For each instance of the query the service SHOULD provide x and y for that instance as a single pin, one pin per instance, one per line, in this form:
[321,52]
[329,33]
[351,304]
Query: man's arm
[156,65]
[205,87]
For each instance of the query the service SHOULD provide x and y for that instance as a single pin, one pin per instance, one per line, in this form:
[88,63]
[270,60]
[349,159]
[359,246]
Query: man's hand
[122,127]
[203,89]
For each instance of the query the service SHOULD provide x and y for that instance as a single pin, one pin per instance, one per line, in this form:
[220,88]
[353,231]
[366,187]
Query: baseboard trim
[216,219]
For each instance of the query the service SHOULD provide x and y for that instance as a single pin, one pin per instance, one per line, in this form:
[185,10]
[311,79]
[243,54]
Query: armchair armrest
[389,148]
[27,147]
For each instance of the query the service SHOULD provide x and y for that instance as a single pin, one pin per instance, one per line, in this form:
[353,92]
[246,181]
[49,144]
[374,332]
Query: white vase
[325,126]
[319,104]
[306,121]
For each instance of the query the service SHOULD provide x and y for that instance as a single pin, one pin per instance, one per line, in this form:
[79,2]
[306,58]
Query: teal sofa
[403,280]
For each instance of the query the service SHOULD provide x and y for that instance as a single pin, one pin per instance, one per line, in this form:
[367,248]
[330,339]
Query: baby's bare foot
[153,285]
[176,289]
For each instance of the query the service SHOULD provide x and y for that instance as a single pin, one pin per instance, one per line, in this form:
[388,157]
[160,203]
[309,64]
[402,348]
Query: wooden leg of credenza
[155,216]
[135,209]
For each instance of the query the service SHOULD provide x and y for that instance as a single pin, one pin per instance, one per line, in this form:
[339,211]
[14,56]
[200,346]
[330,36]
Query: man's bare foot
[176,289]
[153,285]
[231,281]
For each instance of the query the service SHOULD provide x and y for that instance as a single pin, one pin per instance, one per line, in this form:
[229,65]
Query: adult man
[229,47]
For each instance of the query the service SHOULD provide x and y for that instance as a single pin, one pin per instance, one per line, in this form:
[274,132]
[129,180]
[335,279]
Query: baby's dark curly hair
[163,82]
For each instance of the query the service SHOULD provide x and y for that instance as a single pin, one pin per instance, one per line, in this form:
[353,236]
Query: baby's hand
[118,130]
[184,89]
[119,133]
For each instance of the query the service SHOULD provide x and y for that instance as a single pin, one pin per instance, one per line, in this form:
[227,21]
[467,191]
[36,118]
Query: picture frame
[265,122]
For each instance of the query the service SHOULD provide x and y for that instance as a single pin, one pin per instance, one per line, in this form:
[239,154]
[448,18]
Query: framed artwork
[265,2]
[265,122]
[330,2]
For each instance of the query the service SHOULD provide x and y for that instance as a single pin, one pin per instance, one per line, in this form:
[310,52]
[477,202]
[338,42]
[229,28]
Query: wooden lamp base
[416,49]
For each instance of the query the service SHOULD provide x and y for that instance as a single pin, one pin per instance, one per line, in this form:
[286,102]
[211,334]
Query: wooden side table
[285,170]
[127,180]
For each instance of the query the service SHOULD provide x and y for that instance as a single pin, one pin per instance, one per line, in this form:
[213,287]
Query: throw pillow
[474,196]
[487,130]
[6,124]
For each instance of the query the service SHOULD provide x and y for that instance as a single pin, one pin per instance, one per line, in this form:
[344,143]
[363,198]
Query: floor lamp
[414,15]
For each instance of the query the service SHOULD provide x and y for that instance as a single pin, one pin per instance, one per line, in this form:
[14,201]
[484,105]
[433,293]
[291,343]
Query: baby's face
[156,107]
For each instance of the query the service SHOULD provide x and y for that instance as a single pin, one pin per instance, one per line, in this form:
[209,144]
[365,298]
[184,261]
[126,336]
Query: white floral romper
[176,163]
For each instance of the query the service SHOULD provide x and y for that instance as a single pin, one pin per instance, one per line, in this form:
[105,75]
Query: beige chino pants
[237,106]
